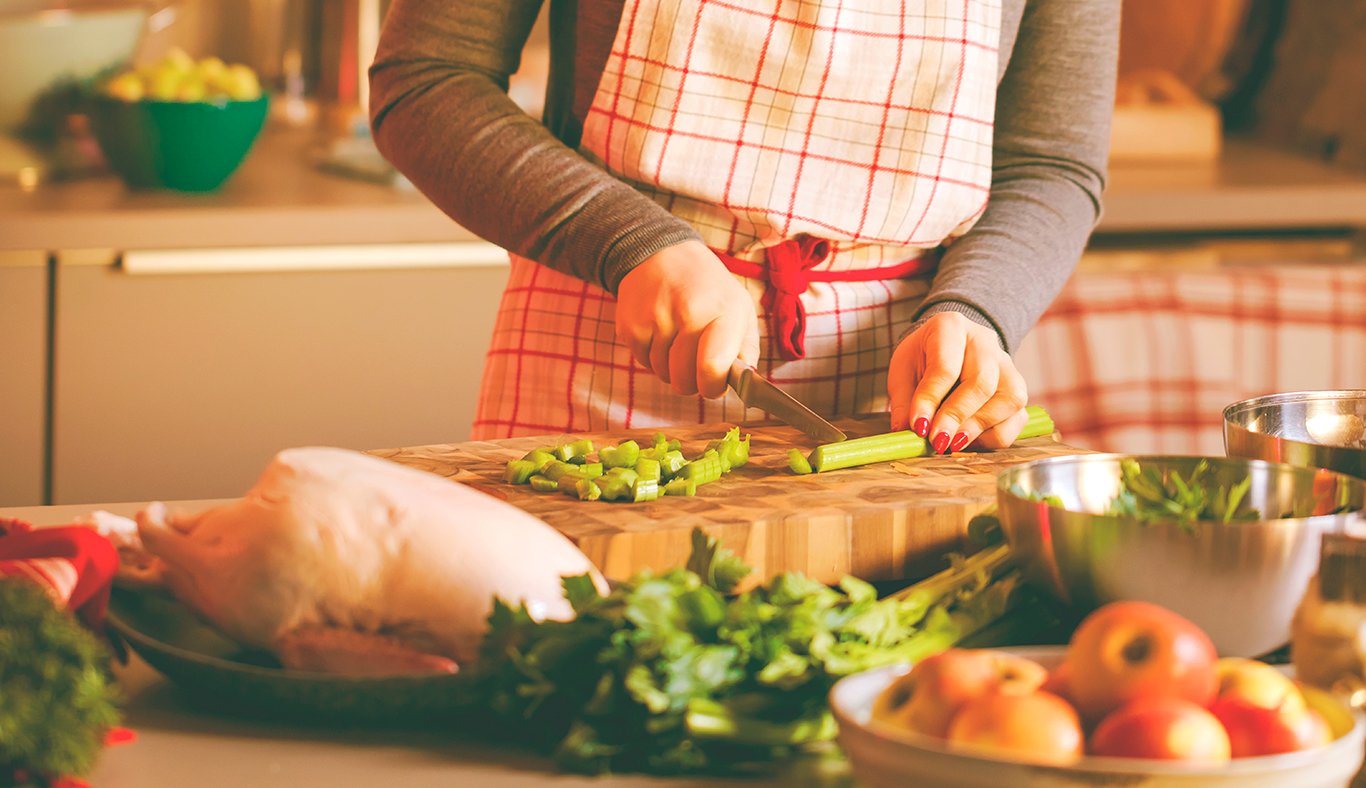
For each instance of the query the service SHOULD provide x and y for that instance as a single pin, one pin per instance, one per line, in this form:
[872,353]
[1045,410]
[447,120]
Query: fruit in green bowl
[186,146]
[179,77]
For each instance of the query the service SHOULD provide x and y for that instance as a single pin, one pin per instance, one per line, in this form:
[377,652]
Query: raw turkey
[341,562]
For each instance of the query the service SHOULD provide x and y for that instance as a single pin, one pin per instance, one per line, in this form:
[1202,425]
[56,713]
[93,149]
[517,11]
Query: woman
[872,201]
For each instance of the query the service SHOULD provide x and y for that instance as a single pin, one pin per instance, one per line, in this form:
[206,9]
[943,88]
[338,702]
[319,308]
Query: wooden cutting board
[887,521]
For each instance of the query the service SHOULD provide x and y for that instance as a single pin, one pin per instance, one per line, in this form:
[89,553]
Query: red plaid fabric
[1145,362]
[866,123]
[75,565]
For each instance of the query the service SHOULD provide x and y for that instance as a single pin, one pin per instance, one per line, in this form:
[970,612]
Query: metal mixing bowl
[1315,429]
[1240,582]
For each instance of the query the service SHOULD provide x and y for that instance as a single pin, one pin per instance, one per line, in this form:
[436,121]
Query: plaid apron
[823,148]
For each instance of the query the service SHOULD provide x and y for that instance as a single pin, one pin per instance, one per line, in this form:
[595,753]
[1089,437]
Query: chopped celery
[588,491]
[797,461]
[644,490]
[553,471]
[648,469]
[565,451]
[540,457]
[680,487]
[519,471]
[570,483]
[623,455]
[542,484]
[670,463]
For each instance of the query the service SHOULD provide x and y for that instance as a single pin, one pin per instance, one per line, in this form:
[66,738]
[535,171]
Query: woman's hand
[686,318]
[987,405]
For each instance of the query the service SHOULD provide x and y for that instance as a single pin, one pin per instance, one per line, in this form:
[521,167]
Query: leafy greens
[668,674]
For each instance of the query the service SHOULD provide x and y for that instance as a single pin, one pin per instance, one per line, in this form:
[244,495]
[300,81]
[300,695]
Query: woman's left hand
[952,384]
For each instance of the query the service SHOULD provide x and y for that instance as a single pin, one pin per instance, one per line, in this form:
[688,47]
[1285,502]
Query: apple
[1124,651]
[1038,726]
[163,81]
[1059,681]
[1164,727]
[927,698]
[1333,711]
[1257,730]
[126,86]
[1259,684]
[241,84]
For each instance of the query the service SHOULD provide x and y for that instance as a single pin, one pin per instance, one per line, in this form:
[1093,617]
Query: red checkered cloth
[1145,362]
[863,123]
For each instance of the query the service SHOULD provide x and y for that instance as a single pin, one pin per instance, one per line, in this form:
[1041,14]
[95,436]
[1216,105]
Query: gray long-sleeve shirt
[441,114]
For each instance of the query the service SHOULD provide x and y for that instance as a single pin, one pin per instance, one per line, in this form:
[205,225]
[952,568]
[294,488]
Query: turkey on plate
[340,562]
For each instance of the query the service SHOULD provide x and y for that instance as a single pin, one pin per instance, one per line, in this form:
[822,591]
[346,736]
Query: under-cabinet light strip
[313,258]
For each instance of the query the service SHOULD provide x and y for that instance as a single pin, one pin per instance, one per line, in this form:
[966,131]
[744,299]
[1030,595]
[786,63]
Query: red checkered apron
[823,149]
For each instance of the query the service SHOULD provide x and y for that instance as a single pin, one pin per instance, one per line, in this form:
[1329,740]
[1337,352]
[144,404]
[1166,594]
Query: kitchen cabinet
[23,375]
[183,385]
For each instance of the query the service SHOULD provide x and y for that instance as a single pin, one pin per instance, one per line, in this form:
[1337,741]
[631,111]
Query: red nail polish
[922,427]
[959,441]
[940,442]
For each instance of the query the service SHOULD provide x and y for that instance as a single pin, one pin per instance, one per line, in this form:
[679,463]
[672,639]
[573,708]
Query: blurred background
[162,337]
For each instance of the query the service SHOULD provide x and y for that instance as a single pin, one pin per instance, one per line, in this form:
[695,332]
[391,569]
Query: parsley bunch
[56,698]
[669,674]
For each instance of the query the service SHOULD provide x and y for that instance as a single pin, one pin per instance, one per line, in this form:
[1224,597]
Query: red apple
[926,699]
[1129,650]
[1162,727]
[1038,726]
[1256,730]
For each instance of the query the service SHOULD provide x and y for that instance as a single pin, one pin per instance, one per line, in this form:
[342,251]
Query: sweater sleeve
[441,114]
[1052,137]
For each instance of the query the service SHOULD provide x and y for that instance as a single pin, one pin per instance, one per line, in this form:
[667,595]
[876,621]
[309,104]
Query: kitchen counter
[278,198]
[178,744]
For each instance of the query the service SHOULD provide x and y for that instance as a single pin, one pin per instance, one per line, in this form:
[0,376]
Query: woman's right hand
[686,318]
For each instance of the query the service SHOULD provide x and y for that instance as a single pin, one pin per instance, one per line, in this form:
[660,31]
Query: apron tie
[787,270]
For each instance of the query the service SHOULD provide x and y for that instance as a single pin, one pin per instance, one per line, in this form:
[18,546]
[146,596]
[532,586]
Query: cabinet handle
[352,257]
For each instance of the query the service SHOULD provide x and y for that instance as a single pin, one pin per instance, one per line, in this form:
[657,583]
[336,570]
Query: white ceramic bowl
[883,756]
[39,50]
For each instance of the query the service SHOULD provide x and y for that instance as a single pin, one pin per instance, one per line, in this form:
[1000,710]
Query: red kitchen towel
[74,564]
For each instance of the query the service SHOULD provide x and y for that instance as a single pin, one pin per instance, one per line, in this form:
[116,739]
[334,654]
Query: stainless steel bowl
[1314,429]
[1240,581]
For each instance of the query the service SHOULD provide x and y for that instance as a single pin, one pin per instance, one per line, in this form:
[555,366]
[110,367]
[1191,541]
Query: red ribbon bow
[787,269]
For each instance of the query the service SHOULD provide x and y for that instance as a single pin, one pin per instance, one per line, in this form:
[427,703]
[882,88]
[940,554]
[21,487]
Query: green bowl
[186,146]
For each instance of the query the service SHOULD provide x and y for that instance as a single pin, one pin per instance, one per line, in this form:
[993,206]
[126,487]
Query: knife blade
[757,392]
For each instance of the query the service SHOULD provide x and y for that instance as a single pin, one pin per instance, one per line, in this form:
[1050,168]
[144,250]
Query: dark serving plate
[220,674]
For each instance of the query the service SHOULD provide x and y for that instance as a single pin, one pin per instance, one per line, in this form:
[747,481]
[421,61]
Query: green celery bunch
[669,673]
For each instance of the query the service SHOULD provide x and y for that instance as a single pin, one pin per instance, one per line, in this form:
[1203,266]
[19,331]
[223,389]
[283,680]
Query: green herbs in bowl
[1228,543]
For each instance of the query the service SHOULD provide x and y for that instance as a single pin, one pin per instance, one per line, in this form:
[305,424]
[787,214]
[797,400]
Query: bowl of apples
[1138,697]
[179,123]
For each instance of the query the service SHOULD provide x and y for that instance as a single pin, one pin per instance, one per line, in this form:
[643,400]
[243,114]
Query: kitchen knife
[757,392]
